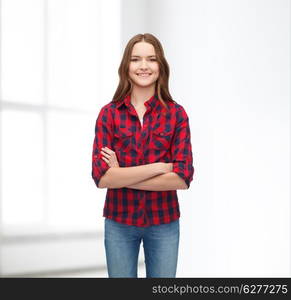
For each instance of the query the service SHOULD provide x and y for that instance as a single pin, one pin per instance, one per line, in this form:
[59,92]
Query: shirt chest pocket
[123,139]
[161,139]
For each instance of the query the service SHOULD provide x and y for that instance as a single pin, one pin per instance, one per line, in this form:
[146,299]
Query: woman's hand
[109,157]
[169,167]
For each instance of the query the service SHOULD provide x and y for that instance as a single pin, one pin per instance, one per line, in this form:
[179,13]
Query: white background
[230,70]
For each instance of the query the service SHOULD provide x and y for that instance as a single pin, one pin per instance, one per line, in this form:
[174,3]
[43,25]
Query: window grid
[43,109]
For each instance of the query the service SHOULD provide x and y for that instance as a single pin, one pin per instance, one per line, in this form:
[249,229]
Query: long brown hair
[125,84]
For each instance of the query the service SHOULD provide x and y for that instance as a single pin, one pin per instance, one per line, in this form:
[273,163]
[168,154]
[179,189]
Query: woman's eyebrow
[139,56]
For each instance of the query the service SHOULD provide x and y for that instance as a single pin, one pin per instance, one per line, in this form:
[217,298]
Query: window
[59,62]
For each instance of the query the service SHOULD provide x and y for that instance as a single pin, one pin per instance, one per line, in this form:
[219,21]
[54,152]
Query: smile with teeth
[143,74]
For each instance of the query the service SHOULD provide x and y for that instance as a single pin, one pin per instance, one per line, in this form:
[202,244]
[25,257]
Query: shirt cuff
[99,169]
[179,168]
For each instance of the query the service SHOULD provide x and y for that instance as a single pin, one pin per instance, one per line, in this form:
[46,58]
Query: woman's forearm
[118,177]
[165,182]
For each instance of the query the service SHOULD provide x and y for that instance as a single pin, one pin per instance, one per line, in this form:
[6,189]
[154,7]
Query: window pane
[83,55]
[22,42]
[74,201]
[73,52]
[22,168]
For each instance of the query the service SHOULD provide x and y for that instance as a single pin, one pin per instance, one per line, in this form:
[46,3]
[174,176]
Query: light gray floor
[89,273]
[97,273]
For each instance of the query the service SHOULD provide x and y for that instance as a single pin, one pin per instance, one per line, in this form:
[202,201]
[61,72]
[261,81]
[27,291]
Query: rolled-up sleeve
[181,149]
[103,138]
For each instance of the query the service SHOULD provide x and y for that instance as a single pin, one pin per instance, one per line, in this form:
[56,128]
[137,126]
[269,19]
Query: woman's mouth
[143,74]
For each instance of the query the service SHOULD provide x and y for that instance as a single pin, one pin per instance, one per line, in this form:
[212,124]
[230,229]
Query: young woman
[142,154]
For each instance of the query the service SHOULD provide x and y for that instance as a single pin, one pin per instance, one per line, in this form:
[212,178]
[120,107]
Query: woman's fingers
[108,151]
[109,157]
[105,154]
[106,148]
[104,158]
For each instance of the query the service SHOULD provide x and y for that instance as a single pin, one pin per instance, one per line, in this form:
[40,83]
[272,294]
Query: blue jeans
[160,242]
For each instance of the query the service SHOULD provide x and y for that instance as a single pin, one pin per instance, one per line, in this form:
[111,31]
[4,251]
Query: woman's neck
[140,95]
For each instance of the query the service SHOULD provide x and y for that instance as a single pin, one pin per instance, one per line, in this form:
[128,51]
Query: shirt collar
[152,102]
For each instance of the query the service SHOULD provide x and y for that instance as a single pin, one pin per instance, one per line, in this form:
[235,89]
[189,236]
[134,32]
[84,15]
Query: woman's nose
[143,63]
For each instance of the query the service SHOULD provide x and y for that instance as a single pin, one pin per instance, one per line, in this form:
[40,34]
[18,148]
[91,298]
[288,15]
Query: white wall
[230,65]
[58,62]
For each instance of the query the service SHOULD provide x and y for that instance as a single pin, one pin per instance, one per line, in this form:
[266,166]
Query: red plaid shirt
[161,138]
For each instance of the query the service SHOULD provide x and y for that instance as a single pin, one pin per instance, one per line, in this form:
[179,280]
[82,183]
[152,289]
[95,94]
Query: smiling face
[143,66]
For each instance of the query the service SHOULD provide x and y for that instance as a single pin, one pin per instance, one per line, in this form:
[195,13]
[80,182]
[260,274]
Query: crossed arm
[164,182]
[146,177]
[150,177]
[158,176]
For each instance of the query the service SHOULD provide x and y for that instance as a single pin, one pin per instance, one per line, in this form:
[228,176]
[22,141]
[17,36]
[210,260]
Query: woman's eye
[134,59]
